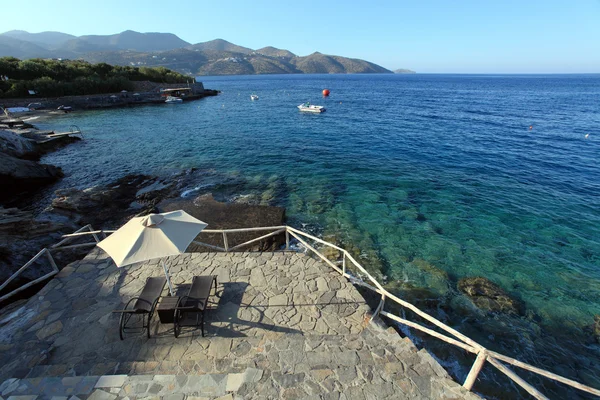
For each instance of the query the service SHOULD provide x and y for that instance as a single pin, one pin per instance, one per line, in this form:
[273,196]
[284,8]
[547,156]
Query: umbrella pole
[168,279]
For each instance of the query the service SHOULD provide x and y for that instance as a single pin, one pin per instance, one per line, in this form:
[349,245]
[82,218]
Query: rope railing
[458,339]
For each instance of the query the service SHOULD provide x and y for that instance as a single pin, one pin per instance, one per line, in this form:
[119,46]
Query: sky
[468,36]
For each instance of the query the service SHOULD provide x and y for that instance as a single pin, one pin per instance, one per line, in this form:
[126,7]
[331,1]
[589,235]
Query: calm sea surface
[433,177]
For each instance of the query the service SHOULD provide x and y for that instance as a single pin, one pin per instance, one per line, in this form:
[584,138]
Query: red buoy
[325,92]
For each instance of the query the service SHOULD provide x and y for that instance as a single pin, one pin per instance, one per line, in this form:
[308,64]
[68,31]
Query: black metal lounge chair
[194,302]
[144,305]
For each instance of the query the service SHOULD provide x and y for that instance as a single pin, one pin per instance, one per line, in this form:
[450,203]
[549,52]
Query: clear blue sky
[470,36]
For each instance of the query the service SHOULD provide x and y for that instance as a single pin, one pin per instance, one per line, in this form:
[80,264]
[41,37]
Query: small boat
[307,107]
[173,100]
[253,97]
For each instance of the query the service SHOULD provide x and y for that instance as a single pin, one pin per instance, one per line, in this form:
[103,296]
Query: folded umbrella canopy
[152,236]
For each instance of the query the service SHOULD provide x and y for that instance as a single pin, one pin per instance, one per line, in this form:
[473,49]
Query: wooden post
[225,244]
[379,308]
[343,263]
[94,234]
[477,365]
[52,262]
[287,239]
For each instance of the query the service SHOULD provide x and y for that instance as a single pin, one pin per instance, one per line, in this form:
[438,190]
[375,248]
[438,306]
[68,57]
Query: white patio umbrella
[152,236]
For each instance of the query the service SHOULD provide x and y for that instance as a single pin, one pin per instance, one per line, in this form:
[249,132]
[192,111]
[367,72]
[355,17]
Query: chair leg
[176,323]
[122,323]
[148,326]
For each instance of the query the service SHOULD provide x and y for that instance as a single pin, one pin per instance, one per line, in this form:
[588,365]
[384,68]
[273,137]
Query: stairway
[374,364]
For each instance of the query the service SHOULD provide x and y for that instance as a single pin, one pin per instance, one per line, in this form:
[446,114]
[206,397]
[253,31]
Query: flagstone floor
[282,325]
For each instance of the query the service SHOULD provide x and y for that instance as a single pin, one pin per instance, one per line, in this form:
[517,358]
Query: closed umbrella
[152,236]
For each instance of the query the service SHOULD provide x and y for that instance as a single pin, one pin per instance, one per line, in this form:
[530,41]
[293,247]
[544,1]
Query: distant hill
[404,71]
[274,52]
[220,45]
[10,46]
[128,40]
[49,40]
[215,57]
[318,63]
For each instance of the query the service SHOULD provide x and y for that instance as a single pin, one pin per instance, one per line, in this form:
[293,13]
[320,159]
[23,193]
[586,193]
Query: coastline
[148,93]
[410,208]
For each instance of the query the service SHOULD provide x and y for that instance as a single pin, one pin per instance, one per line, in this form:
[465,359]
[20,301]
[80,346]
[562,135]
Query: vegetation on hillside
[51,78]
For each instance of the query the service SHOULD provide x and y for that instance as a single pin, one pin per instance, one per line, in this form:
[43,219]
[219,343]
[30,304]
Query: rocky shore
[20,149]
[23,234]
[146,93]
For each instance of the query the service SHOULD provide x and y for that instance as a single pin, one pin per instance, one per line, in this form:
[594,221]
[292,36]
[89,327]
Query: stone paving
[283,325]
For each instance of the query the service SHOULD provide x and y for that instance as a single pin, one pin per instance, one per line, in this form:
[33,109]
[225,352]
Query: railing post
[52,262]
[343,263]
[477,365]
[379,308]
[93,234]
[225,244]
[287,239]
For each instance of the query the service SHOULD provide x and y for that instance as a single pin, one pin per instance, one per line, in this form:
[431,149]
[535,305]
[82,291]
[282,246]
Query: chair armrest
[125,310]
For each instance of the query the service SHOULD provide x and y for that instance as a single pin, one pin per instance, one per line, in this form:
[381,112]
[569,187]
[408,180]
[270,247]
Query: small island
[404,71]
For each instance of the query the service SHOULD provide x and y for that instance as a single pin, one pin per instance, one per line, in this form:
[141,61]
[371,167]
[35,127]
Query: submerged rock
[435,278]
[488,296]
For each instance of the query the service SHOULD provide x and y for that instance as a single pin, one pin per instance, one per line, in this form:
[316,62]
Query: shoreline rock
[488,296]
[114,203]
[219,215]
[18,176]
[20,173]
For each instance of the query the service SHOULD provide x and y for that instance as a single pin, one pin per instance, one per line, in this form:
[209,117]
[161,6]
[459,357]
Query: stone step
[252,383]
[235,354]
[375,364]
[113,386]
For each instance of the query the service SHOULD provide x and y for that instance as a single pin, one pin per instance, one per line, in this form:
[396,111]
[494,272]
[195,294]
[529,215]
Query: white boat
[307,107]
[173,100]
[253,97]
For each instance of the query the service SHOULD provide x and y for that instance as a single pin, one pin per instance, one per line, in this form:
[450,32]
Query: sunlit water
[406,168]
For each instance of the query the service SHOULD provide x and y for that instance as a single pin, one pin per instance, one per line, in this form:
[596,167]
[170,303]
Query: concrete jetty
[283,325]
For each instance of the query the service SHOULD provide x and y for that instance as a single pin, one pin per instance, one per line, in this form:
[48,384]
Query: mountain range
[215,57]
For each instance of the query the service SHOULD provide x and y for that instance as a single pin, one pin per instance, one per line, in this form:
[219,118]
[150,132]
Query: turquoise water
[433,177]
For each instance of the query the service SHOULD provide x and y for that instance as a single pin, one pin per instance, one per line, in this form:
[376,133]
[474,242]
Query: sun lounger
[194,302]
[143,305]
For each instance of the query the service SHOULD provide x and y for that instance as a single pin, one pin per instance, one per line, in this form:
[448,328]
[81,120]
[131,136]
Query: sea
[428,178]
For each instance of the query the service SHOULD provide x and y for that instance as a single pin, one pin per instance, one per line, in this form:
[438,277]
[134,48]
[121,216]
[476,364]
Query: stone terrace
[282,326]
